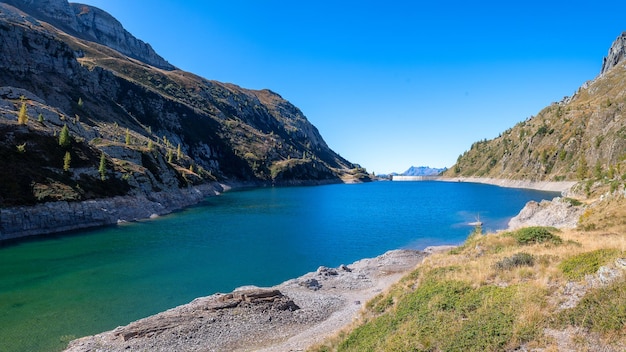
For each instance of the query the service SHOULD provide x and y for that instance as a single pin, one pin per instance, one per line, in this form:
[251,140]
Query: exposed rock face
[557,213]
[91,23]
[103,28]
[617,54]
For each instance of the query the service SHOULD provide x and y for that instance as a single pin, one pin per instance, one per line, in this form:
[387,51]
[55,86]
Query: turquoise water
[58,288]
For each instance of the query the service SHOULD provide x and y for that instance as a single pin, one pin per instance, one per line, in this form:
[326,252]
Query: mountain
[422,171]
[137,124]
[582,137]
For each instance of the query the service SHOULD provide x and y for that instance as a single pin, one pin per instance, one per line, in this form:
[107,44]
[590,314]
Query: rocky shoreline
[54,217]
[288,317]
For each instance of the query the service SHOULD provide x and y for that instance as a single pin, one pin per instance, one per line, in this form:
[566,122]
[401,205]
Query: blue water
[62,287]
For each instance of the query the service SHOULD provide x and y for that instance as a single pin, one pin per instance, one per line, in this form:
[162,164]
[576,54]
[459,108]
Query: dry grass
[462,299]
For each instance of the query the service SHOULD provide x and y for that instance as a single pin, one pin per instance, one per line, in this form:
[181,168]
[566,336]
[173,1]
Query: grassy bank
[536,288]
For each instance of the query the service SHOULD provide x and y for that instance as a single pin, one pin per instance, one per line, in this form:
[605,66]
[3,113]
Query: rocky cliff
[131,127]
[90,23]
[616,55]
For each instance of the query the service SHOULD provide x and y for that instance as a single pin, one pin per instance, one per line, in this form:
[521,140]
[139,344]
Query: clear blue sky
[388,84]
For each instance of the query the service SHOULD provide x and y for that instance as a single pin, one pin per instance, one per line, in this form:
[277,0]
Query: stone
[311,284]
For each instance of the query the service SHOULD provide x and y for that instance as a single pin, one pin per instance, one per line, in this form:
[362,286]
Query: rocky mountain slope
[137,125]
[582,137]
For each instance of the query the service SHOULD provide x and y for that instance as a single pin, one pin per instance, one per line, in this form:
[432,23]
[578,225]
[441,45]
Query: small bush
[572,201]
[576,267]
[514,261]
[536,234]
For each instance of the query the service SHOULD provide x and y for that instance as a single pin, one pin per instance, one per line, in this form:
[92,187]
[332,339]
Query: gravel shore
[552,186]
[289,317]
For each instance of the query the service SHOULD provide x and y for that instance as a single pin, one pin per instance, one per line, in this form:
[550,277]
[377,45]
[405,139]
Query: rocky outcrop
[52,217]
[93,24]
[97,25]
[616,55]
[559,213]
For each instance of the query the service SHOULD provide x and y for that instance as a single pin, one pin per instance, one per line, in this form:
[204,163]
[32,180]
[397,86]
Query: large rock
[616,55]
[559,213]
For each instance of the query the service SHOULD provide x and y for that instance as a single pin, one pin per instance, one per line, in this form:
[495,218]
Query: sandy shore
[289,317]
[552,186]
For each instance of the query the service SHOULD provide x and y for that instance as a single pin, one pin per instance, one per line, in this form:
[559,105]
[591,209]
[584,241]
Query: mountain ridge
[581,138]
[93,24]
[135,129]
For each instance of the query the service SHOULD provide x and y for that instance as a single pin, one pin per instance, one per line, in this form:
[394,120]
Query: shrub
[516,260]
[572,201]
[21,148]
[576,267]
[536,234]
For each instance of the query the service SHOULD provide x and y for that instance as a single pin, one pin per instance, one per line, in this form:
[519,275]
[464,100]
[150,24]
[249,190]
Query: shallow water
[66,286]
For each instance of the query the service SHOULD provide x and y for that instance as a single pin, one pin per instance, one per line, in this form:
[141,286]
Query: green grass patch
[576,267]
[446,315]
[601,310]
[535,234]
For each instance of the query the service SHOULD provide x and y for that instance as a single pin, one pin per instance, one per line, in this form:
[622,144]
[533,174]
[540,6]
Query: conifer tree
[127,139]
[150,145]
[22,117]
[103,167]
[66,161]
[170,155]
[40,118]
[178,152]
[64,137]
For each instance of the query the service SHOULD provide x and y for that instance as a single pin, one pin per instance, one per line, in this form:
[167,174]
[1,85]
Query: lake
[61,287]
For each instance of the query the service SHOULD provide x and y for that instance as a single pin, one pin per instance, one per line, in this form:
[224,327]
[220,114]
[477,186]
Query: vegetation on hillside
[579,138]
[497,292]
[156,129]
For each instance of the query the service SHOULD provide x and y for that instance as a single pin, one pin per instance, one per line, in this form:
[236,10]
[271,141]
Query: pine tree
[170,155]
[179,154]
[22,117]
[80,102]
[127,137]
[103,167]
[64,137]
[40,118]
[66,161]
[150,145]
